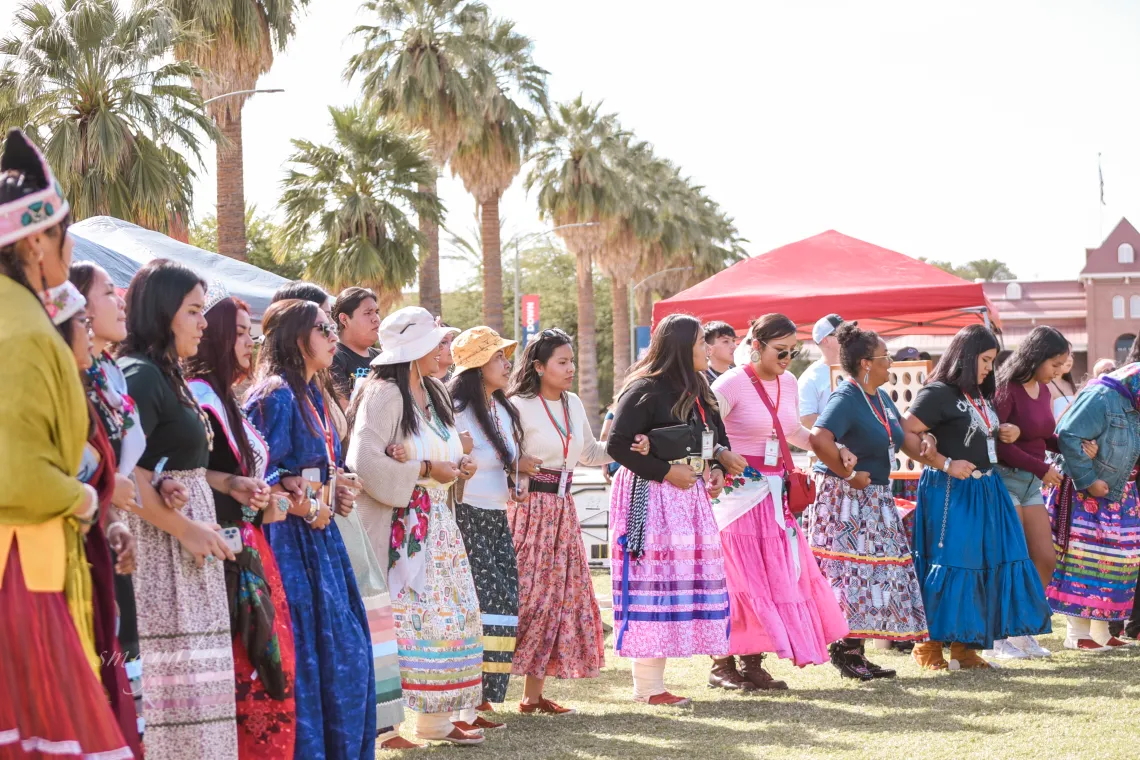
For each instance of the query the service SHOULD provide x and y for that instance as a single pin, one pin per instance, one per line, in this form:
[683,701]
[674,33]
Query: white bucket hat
[408,334]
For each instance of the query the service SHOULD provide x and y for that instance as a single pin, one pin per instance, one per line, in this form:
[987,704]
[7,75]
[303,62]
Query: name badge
[707,445]
[891,414]
[771,452]
[891,452]
[563,479]
[991,446]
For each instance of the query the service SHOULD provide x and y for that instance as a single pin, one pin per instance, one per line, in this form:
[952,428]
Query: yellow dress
[43,431]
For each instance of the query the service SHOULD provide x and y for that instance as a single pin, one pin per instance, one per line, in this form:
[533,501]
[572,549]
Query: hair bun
[847,333]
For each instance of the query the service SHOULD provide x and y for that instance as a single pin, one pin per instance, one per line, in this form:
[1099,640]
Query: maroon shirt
[1034,416]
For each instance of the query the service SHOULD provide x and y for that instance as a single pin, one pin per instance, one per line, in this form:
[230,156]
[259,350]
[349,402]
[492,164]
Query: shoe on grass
[1088,646]
[1029,645]
[1005,649]
[665,699]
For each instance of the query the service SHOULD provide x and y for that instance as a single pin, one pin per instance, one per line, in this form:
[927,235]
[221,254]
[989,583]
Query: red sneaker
[1116,643]
[1088,646]
[487,725]
[485,707]
[666,699]
[545,707]
[399,743]
[459,736]
[470,728]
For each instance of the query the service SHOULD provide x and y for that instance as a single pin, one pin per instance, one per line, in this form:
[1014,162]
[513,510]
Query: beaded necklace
[433,420]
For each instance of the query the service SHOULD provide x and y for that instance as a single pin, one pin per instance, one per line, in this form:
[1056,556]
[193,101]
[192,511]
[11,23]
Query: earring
[867,378]
[540,374]
[43,277]
[754,357]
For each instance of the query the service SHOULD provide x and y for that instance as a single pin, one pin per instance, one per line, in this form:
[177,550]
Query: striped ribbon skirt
[491,552]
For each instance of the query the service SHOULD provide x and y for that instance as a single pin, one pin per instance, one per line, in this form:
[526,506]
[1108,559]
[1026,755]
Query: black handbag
[673,442]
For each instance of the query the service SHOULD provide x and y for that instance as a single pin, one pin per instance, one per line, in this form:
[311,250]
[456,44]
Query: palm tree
[91,84]
[577,185]
[416,65]
[233,45]
[490,156]
[354,197]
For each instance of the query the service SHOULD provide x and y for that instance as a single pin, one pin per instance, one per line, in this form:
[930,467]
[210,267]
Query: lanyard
[565,439]
[983,412]
[701,409]
[881,418]
[327,431]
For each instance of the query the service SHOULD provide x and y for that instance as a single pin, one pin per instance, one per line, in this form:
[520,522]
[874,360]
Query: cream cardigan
[387,484]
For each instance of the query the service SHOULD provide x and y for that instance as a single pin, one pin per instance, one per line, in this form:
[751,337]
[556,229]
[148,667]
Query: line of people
[299,543]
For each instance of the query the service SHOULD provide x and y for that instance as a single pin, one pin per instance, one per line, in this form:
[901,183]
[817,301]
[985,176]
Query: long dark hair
[82,275]
[855,345]
[524,381]
[287,325]
[1041,345]
[401,375]
[670,360]
[153,299]
[959,365]
[469,392]
[217,364]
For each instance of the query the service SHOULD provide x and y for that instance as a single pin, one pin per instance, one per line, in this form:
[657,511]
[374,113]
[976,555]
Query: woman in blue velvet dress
[335,687]
[978,583]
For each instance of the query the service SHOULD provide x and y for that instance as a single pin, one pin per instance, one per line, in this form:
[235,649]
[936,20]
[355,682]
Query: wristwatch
[314,511]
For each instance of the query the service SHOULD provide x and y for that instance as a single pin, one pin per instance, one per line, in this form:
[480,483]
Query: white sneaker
[1004,650]
[1029,646]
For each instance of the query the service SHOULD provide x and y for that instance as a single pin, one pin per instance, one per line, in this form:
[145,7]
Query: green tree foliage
[94,85]
[265,244]
[990,270]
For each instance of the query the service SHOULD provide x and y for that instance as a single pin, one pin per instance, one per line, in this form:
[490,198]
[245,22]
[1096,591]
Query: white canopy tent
[123,248]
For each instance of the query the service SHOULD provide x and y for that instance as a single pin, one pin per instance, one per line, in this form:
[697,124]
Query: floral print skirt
[1096,575]
[560,626]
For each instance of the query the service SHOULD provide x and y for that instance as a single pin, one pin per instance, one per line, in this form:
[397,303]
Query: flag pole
[1100,175]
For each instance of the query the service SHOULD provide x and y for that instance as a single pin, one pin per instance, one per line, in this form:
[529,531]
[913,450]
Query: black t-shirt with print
[955,423]
[347,366]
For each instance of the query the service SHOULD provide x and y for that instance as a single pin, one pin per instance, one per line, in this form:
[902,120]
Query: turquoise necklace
[432,420]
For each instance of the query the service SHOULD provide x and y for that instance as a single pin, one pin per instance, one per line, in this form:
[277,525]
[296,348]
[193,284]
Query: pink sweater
[746,418]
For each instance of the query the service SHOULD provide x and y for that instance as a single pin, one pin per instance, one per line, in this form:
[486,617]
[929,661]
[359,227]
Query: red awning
[884,290]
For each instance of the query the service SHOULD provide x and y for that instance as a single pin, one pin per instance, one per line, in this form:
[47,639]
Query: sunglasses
[890,359]
[327,329]
[553,332]
[787,354]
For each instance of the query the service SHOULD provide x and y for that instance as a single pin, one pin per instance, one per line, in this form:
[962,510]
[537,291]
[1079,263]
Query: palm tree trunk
[231,189]
[430,297]
[587,342]
[645,306]
[619,289]
[492,266]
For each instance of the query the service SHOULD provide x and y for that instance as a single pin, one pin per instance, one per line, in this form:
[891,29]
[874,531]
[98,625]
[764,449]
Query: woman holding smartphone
[259,613]
[184,629]
[335,689]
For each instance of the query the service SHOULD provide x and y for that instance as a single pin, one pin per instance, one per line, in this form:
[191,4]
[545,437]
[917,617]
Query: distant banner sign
[530,316]
[641,341]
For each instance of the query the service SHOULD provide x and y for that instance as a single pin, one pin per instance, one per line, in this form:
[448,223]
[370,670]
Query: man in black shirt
[721,340]
[357,317]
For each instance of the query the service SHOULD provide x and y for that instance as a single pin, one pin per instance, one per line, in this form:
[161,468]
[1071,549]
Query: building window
[1125,254]
[1118,307]
[1013,292]
[1123,348]
[1134,307]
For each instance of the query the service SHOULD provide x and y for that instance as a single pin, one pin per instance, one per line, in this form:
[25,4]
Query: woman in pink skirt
[780,601]
[670,595]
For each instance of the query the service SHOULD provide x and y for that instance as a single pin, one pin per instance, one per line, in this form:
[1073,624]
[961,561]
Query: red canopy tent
[884,290]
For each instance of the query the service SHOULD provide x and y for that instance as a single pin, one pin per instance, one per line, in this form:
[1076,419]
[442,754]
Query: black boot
[876,671]
[849,662]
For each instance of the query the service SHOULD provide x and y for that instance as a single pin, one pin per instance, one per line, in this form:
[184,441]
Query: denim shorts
[1024,487]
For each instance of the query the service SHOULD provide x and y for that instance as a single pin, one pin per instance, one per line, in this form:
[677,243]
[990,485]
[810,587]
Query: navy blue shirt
[849,417]
[293,445]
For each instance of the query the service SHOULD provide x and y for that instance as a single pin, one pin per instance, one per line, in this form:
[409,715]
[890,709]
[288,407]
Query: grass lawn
[1069,706]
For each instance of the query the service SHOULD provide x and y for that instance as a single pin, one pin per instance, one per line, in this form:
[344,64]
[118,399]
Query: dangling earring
[867,378]
[541,373]
[754,357]
[43,277]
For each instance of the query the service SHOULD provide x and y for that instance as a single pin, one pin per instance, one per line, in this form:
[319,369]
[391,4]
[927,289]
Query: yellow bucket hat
[473,348]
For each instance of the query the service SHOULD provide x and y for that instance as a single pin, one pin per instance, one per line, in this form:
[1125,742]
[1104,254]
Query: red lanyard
[565,440]
[882,418]
[701,409]
[327,430]
[983,413]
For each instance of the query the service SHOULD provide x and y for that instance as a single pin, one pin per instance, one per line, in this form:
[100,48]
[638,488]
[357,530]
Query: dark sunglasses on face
[787,354]
[327,329]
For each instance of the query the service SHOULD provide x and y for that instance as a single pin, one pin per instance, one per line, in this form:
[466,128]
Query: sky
[952,131]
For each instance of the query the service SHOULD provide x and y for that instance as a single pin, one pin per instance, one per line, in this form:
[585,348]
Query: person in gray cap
[815,382]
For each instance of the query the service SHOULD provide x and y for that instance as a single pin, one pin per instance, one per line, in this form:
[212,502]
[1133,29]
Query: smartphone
[232,539]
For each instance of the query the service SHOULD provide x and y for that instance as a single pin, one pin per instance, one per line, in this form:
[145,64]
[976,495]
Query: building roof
[1039,301]
[1105,261]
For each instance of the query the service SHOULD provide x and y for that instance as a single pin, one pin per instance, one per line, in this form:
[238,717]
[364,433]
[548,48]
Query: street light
[540,233]
[238,92]
[633,316]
